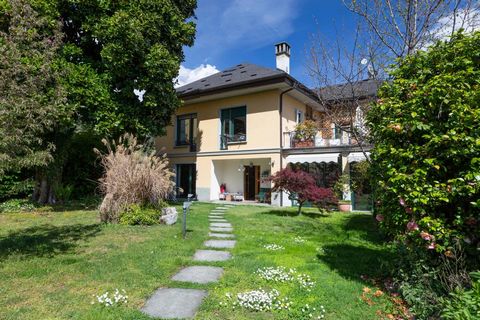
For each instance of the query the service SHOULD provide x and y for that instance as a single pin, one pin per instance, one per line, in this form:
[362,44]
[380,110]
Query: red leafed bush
[301,187]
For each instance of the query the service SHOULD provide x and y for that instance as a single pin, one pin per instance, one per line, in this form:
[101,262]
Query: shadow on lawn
[366,227]
[45,240]
[289,213]
[352,262]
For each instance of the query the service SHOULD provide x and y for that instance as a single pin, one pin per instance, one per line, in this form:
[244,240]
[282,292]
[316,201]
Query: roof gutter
[280,112]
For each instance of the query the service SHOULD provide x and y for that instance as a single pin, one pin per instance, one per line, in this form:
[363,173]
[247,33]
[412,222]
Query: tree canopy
[105,67]
[31,97]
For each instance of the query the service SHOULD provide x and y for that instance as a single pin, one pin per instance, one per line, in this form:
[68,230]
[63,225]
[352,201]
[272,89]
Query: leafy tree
[113,48]
[111,53]
[31,98]
[427,152]
[301,187]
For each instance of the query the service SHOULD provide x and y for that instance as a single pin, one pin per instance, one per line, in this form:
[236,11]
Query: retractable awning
[357,156]
[311,158]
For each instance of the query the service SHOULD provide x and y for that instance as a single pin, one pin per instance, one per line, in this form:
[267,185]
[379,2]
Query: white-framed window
[298,116]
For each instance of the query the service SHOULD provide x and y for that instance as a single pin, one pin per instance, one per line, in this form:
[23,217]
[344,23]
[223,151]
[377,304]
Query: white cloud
[469,20]
[187,75]
[241,25]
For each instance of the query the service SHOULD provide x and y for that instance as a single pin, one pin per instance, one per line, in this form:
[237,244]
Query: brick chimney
[282,53]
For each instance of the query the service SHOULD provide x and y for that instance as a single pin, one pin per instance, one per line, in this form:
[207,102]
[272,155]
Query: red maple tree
[301,187]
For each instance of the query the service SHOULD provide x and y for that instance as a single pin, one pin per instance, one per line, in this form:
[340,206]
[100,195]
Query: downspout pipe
[280,111]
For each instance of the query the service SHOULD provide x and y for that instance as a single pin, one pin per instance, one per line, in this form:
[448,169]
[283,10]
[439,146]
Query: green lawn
[51,263]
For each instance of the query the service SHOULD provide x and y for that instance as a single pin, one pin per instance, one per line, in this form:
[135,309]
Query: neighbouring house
[237,127]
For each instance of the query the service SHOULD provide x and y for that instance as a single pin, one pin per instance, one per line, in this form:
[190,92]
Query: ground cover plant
[54,264]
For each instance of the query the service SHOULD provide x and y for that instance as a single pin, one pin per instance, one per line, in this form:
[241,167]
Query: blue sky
[235,31]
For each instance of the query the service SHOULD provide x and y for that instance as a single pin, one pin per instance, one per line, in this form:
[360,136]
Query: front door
[251,182]
[186,178]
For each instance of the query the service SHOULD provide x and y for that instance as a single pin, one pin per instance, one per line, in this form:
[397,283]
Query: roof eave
[278,78]
[229,87]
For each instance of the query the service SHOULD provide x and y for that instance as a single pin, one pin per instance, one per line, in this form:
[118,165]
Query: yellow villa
[236,128]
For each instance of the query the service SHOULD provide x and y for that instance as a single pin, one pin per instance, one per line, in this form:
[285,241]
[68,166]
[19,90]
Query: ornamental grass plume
[134,174]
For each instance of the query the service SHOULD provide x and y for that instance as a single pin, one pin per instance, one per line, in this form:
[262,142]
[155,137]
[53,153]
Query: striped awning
[357,156]
[311,158]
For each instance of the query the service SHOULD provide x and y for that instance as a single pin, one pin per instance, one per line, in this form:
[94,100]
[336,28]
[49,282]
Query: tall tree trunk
[45,181]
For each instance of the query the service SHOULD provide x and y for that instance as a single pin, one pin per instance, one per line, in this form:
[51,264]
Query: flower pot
[344,207]
[304,144]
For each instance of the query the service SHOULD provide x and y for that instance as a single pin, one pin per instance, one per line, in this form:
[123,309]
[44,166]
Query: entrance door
[251,182]
[185,179]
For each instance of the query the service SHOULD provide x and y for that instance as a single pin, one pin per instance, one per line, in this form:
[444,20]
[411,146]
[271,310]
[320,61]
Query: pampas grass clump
[134,175]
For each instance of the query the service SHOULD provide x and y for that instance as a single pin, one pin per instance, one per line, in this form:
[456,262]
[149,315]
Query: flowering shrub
[273,247]
[109,300]
[426,164]
[426,155]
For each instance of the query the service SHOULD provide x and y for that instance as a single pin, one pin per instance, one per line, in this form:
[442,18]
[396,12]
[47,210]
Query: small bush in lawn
[136,215]
[17,205]
[134,174]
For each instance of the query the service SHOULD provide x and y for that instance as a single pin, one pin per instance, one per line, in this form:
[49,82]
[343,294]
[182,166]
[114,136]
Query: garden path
[172,303]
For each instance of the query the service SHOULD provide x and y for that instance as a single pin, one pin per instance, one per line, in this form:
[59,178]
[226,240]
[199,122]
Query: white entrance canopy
[357,156]
[311,158]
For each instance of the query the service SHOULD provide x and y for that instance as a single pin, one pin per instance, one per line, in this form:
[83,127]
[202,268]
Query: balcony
[325,137]
[227,139]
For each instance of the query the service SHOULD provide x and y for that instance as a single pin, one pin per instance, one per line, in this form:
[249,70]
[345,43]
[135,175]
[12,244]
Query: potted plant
[344,205]
[305,134]
[342,187]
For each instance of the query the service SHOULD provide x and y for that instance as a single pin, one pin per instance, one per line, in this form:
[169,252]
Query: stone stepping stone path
[176,303]
[211,255]
[221,235]
[221,229]
[221,224]
[199,274]
[220,244]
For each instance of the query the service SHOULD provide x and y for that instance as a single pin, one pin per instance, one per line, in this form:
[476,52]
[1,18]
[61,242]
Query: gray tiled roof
[359,90]
[240,74]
